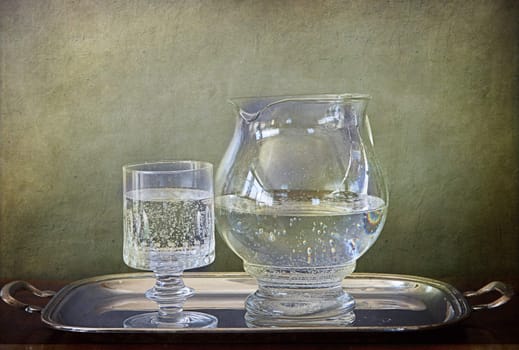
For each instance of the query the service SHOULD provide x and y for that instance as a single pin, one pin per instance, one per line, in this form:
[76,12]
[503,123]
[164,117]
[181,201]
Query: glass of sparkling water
[168,228]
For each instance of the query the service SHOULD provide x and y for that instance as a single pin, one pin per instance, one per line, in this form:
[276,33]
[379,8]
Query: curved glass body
[300,197]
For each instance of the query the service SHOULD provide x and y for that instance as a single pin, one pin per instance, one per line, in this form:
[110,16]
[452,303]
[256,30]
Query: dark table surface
[482,330]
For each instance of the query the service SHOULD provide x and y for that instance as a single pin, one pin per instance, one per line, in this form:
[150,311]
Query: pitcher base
[299,297]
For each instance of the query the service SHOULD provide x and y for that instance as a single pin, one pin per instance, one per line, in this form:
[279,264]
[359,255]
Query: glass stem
[170,293]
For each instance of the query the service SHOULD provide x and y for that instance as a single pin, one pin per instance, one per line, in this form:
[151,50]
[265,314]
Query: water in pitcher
[301,228]
[175,221]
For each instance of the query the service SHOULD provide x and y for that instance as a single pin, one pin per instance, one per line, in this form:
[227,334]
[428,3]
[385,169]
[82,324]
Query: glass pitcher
[300,197]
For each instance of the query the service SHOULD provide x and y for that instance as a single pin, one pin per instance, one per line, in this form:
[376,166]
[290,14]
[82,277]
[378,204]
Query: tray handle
[9,291]
[495,286]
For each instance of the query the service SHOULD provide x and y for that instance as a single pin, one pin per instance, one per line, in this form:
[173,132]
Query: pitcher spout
[250,108]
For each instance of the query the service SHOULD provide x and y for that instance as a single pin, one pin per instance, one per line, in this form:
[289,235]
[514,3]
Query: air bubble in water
[309,253]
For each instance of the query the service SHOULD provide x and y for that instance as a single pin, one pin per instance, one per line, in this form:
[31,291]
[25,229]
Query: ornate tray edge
[462,307]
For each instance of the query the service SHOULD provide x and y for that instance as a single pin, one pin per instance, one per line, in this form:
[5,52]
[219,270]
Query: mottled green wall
[87,86]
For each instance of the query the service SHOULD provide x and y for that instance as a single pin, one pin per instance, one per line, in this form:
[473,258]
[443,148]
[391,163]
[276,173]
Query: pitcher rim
[269,101]
[304,97]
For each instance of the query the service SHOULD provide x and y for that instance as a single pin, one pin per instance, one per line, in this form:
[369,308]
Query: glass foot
[170,293]
[187,319]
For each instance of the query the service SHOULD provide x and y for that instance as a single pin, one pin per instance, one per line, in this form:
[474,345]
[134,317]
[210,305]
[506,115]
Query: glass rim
[135,167]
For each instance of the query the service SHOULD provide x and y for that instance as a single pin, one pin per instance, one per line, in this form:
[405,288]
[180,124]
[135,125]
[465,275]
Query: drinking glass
[168,228]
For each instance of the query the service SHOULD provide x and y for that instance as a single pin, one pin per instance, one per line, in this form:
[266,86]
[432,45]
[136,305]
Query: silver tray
[383,302]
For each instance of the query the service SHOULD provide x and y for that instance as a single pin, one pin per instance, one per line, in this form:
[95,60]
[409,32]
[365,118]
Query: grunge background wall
[87,86]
